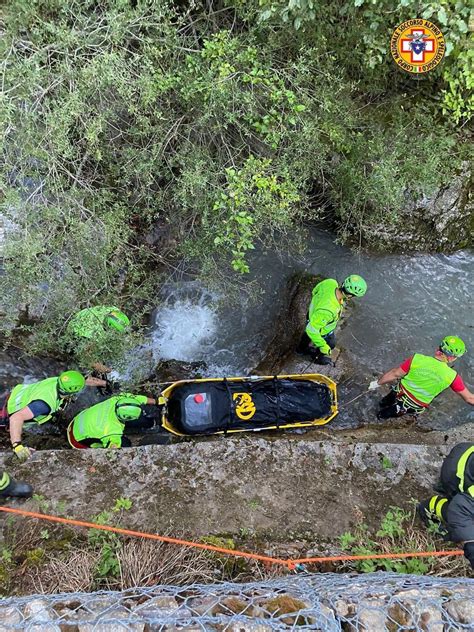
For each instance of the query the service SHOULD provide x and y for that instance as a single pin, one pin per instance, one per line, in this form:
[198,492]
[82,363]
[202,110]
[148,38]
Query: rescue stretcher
[239,404]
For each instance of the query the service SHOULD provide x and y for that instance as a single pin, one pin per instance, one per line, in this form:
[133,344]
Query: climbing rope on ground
[289,563]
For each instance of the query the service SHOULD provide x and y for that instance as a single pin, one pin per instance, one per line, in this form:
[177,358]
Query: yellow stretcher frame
[314,377]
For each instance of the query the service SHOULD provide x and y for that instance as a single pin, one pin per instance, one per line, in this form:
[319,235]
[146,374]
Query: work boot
[324,360]
[17,489]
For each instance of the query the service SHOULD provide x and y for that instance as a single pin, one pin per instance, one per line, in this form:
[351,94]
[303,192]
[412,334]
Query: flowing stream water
[411,304]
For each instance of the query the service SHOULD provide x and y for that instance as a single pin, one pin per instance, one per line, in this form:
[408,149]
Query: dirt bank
[280,488]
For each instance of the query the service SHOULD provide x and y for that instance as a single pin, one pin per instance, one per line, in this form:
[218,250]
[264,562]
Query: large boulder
[440,222]
[289,325]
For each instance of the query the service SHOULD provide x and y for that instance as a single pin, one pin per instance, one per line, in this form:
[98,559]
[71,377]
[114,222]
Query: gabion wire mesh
[375,602]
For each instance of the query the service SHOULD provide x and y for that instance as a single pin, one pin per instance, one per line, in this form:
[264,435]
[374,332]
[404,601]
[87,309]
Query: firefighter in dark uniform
[453,507]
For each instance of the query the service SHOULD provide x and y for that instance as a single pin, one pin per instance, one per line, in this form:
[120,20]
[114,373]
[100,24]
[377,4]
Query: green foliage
[230,566]
[392,525]
[219,541]
[43,504]
[396,535]
[386,463]
[381,171]
[6,555]
[254,198]
[219,130]
[122,504]
[363,29]
[254,504]
[108,565]
[453,19]
[108,544]
[35,556]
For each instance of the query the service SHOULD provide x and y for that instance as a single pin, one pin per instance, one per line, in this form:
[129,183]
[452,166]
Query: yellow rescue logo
[417,45]
[244,406]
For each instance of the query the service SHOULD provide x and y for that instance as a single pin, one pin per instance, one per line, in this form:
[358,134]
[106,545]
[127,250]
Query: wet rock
[16,365]
[280,356]
[440,222]
[173,370]
[289,325]
[461,610]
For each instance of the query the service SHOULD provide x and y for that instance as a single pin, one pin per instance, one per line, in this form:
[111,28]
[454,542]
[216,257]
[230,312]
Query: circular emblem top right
[417,45]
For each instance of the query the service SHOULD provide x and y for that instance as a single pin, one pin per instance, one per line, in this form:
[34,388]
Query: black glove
[469,552]
[111,387]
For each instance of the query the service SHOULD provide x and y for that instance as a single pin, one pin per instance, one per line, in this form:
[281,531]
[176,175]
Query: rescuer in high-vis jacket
[328,299]
[39,402]
[453,507]
[422,378]
[92,332]
[103,425]
[93,321]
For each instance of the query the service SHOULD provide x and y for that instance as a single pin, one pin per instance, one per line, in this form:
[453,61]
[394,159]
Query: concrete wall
[280,487]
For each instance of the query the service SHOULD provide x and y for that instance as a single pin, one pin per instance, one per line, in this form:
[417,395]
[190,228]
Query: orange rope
[291,564]
[140,534]
[377,556]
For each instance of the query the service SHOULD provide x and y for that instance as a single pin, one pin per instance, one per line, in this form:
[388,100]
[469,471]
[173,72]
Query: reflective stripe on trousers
[436,505]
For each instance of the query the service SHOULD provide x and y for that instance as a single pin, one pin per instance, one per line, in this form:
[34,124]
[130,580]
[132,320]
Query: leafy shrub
[397,534]
[213,130]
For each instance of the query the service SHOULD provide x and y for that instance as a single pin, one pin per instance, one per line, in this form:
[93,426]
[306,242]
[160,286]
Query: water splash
[185,324]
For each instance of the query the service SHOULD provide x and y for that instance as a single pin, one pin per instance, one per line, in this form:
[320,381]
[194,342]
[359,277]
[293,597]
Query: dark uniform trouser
[434,509]
[396,405]
[454,507]
[454,518]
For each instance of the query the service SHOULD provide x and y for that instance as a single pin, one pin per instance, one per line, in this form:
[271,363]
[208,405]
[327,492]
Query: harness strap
[277,393]
[231,405]
[72,440]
